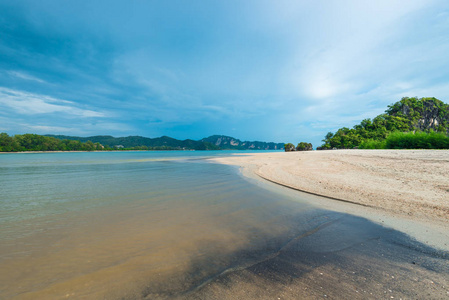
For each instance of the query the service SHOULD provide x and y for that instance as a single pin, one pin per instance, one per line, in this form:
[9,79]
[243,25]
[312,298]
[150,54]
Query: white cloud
[47,129]
[31,104]
[24,125]
[344,45]
[25,76]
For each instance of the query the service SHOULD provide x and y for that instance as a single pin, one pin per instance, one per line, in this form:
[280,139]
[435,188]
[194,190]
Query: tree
[289,147]
[7,143]
[407,115]
[304,147]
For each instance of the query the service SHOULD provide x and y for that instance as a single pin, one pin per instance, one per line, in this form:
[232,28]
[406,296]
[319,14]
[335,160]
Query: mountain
[230,143]
[425,120]
[215,142]
[137,141]
[423,114]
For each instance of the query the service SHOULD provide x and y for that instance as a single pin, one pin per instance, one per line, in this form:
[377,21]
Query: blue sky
[282,71]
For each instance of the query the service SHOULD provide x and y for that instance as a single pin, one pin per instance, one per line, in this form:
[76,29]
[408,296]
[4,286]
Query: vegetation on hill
[34,142]
[289,147]
[302,146]
[143,143]
[410,123]
[230,143]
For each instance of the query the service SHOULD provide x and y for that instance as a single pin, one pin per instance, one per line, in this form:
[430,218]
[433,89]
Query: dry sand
[412,183]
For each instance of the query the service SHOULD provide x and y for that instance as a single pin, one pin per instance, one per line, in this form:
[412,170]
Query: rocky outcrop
[431,117]
[432,114]
[215,142]
[289,147]
[303,146]
[227,142]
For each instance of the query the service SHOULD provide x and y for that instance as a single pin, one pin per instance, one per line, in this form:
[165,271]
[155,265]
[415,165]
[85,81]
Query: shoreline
[84,151]
[338,180]
[94,151]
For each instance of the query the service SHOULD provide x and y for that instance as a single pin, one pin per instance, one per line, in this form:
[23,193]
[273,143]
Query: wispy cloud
[80,129]
[30,104]
[47,129]
[25,76]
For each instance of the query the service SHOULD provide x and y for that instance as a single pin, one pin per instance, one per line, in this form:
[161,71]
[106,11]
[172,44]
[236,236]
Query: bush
[373,144]
[289,147]
[304,146]
[417,140]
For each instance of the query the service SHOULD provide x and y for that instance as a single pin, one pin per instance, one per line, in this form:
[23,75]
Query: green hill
[35,142]
[230,143]
[214,142]
[161,143]
[408,123]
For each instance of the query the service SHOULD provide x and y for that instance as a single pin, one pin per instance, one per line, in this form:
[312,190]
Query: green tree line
[35,142]
[411,123]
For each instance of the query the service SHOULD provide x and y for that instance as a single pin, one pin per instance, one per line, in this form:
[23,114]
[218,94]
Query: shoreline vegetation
[52,143]
[411,123]
[40,143]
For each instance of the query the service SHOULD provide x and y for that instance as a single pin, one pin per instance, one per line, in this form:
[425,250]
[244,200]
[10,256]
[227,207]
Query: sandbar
[406,186]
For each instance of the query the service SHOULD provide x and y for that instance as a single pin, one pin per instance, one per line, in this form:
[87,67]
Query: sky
[278,71]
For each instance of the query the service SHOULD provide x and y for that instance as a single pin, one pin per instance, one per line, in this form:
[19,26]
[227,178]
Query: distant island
[35,142]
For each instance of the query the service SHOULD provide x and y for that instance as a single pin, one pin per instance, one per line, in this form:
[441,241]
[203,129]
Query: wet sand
[389,241]
[347,258]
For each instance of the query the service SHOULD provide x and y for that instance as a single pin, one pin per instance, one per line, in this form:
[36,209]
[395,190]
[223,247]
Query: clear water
[38,187]
[110,224]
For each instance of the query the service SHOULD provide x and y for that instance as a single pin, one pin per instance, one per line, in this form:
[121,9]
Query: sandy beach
[400,191]
[412,183]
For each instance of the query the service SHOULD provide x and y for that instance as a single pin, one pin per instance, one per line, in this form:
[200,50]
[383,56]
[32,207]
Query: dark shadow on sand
[336,255]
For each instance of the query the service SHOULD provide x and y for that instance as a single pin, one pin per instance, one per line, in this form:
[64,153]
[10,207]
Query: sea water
[115,224]
[163,225]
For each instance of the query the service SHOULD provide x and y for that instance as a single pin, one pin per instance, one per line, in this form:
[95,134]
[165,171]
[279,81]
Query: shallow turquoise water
[79,214]
[39,185]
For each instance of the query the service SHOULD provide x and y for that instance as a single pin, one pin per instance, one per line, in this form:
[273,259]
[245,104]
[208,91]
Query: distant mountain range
[214,142]
[227,142]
